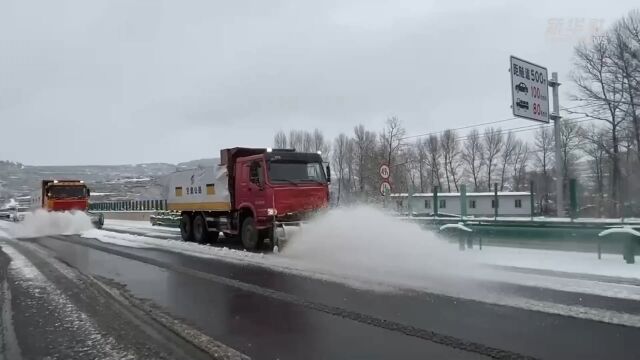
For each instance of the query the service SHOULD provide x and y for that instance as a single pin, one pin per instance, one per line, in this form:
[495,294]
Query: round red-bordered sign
[385,187]
[385,172]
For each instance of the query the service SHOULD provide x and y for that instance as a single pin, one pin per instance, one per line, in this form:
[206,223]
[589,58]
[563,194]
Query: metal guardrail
[165,218]
[129,205]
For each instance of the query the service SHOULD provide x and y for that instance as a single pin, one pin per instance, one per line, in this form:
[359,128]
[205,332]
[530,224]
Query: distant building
[478,203]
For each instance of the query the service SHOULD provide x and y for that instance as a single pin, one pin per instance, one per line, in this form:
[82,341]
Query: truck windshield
[66,192]
[280,171]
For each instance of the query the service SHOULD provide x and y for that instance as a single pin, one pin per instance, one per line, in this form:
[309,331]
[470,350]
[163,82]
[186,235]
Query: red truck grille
[297,199]
[67,205]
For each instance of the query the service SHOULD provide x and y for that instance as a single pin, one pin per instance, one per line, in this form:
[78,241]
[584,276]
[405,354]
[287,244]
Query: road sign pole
[573,198]
[495,200]
[435,201]
[555,116]
[463,201]
[531,198]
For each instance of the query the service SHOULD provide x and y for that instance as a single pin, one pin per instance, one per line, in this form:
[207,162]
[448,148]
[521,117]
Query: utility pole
[555,116]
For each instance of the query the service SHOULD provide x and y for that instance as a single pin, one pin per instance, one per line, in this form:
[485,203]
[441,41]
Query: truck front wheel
[249,234]
[186,227]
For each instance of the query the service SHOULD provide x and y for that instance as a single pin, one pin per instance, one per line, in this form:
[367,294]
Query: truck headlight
[272,212]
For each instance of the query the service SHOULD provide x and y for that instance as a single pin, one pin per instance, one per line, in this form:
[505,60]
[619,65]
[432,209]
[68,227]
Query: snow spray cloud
[366,242]
[43,223]
[11,203]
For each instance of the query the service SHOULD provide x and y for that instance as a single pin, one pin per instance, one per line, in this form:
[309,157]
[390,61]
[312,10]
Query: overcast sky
[119,82]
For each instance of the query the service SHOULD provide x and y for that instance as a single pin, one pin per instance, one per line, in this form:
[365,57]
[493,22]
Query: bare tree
[280,140]
[296,139]
[601,85]
[543,140]
[319,144]
[433,159]
[493,140]
[307,141]
[451,153]
[569,143]
[391,138]
[472,155]
[349,158]
[364,144]
[421,158]
[625,48]
[595,145]
[544,147]
[520,161]
[339,161]
[506,156]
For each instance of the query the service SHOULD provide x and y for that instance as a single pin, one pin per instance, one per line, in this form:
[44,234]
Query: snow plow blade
[283,233]
[97,219]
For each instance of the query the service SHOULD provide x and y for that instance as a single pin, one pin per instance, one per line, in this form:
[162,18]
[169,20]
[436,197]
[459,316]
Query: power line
[575,120]
[460,128]
[483,124]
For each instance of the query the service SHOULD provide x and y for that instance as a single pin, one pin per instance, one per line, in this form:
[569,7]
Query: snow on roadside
[136,225]
[563,261]
[132,240]
[129,240]
[4,227]
[72,319]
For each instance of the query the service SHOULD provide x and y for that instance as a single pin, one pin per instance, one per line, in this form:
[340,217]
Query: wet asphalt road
[267,314]
[50,311]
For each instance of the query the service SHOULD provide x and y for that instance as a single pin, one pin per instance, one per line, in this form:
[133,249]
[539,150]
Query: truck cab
[281,184]
[64,195]
[273,188]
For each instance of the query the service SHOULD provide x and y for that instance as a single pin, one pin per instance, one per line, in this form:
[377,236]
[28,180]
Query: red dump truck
[64,195]
[254,194]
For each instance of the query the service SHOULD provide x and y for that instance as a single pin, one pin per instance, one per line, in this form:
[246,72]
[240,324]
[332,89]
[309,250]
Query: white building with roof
[478,203]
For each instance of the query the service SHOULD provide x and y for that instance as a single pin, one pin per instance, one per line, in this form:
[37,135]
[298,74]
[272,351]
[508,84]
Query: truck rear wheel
[200,233]
[186,228]
[249,234]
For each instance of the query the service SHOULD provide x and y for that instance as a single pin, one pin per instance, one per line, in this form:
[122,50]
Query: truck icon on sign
[522,88]
[522,104]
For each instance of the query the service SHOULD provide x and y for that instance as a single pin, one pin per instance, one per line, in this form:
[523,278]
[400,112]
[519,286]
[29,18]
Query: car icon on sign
[522,88]
[522,104]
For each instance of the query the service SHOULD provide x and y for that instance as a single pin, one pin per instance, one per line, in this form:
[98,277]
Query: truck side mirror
[88,193]
[328,174]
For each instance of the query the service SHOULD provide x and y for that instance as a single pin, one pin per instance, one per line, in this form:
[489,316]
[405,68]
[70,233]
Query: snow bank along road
[313,302]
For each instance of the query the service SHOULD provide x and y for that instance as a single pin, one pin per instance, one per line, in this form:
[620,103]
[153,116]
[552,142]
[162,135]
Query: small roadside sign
[529,90]
[384,171]
[385,188]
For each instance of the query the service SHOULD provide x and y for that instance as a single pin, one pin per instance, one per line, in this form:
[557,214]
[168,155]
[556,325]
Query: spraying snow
[10,204]
[43,223]
[365,241]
